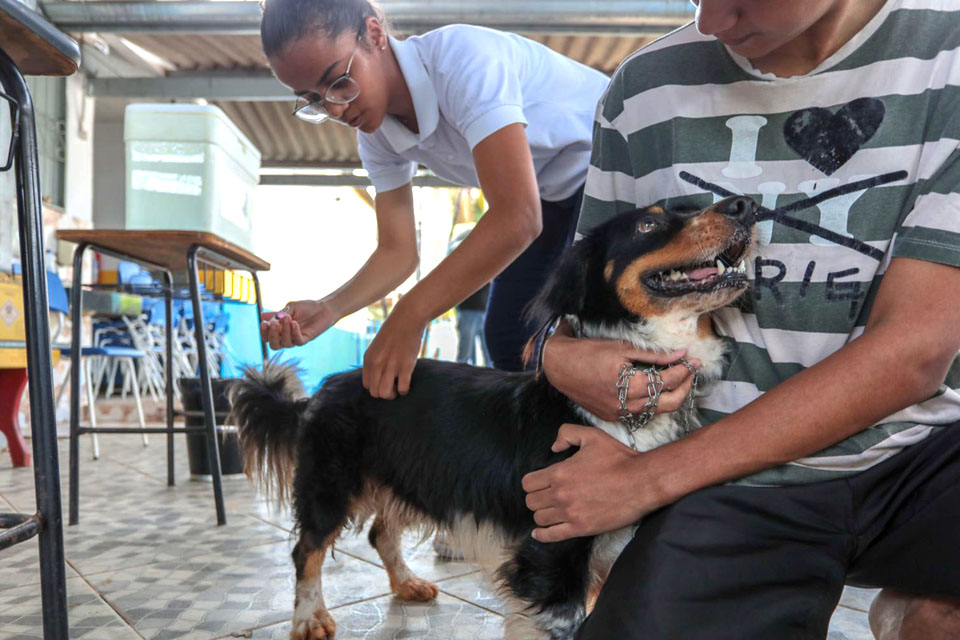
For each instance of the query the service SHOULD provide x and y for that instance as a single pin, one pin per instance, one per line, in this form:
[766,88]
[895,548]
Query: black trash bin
[231,462]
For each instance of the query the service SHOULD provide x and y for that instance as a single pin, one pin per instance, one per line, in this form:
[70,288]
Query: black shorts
[754,562]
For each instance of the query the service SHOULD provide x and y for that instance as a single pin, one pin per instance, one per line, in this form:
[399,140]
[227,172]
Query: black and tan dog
[450,454]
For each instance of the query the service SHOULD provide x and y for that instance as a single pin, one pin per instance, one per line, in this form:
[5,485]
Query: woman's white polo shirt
[468,82]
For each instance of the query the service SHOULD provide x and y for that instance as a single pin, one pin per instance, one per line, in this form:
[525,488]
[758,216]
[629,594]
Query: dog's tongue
[702,273]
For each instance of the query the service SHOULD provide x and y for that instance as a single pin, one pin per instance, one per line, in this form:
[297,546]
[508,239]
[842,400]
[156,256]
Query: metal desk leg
[168,306]
[76,333]
[206,388]
[256,284]
[39,364]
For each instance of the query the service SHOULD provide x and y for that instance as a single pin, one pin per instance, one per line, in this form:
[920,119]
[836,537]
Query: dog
[451,453]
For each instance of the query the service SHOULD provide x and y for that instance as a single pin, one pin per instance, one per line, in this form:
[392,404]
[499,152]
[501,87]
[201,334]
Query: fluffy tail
[266,407]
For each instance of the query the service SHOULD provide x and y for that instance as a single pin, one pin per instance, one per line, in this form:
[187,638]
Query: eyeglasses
[311,107]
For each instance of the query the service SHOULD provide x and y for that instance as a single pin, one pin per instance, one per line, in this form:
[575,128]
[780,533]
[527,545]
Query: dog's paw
[320,627]
[417,590]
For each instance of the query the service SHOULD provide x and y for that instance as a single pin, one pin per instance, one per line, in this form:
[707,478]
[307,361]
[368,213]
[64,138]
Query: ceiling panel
[285,140]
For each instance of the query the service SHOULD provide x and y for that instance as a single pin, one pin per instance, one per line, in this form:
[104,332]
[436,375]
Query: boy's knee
[899,616]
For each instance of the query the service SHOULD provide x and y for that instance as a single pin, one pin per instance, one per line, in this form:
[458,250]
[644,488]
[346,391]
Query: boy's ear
[566,290]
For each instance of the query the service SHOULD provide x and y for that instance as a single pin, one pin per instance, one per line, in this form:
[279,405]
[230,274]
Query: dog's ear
[567,289]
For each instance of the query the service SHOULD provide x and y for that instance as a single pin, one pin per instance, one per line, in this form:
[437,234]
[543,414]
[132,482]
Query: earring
[383,48]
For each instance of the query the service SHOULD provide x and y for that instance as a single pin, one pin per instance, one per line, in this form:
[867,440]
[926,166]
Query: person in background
[471,314]
[470,317]
[478,107]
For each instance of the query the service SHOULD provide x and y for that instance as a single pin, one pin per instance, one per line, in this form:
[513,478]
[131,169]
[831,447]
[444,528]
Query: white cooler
[189,167]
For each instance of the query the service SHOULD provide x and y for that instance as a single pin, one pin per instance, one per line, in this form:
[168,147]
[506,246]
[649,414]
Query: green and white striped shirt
[873,134]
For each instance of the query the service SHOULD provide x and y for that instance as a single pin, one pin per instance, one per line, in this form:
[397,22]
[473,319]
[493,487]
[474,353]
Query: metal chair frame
[46,524]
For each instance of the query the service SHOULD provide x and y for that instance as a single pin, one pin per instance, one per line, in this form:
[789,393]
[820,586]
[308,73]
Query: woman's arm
[505,169]
[392,262]
[394,259]
[911,338]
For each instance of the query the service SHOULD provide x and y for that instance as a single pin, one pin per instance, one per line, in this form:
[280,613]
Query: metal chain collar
[692,396]
[632,422]
[654,388]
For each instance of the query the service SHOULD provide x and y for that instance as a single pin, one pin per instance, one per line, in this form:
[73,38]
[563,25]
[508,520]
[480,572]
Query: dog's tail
[266,407]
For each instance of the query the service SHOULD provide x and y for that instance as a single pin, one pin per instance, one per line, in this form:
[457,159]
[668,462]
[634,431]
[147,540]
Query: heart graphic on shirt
[827,140]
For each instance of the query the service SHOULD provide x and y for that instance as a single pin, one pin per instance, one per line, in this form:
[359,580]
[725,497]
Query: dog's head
[652,262]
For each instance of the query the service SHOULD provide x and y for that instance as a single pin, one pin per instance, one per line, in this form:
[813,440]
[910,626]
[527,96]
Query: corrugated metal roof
[284,140]
[194,52]
[600,52]
[189,52]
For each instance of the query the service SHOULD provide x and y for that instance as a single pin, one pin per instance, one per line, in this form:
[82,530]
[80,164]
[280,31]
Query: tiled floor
[148,561]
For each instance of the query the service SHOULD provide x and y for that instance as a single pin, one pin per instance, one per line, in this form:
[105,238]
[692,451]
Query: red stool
[12,384]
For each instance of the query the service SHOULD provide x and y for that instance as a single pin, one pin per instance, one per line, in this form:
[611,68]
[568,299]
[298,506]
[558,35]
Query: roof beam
[343,180]
[633,17]
[259,87]
[98,62]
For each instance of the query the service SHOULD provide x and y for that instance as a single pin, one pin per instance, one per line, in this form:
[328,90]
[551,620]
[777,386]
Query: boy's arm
[911,338]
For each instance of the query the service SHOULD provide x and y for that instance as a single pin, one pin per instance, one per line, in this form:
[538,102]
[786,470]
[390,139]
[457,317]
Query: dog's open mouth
[726,269]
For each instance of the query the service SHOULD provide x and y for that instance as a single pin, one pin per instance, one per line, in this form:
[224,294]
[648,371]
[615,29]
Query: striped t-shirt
[855,163]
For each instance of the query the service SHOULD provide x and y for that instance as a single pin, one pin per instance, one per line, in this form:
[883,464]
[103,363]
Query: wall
[109,197]
[334,351]
[49,104]
[8,196]
[79,161]
[8,212]
[64,129]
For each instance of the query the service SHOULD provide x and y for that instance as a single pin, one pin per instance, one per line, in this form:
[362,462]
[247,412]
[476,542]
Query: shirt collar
[424,96]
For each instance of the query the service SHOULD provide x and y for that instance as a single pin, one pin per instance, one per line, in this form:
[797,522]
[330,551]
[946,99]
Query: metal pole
[627,17]
[168,307]
[39,364]
[76,304]
[256,284]
[206,388]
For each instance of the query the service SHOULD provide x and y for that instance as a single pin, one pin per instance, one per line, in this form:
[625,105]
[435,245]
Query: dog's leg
[596,585]
[311,620]
[385,536]
[604,552]
[546,587]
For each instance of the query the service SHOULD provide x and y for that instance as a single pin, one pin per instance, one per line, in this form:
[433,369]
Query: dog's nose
[737,207]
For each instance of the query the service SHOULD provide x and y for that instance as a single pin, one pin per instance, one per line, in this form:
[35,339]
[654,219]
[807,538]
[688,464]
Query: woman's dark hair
[285,21]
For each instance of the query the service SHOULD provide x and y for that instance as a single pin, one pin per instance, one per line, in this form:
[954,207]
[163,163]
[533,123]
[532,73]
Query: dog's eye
[647,225]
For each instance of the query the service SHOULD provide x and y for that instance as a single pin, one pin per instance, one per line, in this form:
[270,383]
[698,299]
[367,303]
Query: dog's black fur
[454,449]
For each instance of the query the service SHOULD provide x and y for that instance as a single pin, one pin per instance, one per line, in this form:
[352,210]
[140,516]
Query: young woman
[479,108]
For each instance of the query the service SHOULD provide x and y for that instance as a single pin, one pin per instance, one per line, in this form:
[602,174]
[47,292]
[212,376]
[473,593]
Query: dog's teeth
[674,275]
[742,267]
[720,268]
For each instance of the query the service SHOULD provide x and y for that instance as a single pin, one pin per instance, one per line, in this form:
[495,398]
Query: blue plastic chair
[124,355]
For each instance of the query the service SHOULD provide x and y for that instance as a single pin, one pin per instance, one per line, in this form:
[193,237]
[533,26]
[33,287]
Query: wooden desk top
[165,247]
[37,47]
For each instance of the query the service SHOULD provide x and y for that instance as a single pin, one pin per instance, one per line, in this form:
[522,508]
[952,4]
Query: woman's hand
[297,324]
[389,360]
[586,371]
